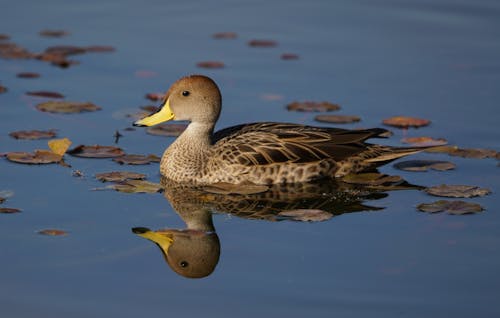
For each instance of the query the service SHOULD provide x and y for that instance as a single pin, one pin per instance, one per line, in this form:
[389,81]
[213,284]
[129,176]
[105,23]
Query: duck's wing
[268,143]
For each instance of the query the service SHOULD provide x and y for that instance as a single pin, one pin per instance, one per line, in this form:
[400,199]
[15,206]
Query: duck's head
[194,98]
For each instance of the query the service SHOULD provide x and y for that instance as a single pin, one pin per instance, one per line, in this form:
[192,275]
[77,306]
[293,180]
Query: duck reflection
[194,252]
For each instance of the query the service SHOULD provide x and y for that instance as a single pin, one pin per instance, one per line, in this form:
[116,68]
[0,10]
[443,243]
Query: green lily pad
[66,107]
[452,207]
[424,165]
[457,191]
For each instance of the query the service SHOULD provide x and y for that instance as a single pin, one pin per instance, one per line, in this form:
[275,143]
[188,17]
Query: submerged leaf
[457,191]
[53,232]
[119,176]
[306,215]
[66,107]
[337,119]
[33,134]
[96,151]
[136,159]
[452,207]
[310,106]
[169,130]
[405,122]
[59,146]
[424,165]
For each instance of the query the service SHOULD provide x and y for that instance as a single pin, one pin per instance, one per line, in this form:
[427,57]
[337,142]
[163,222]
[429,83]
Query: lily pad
[136,159]
[225,35]
[9,210]
[473,153]
[53,232]
[210,64]
[119,176]
[28,75]
[424,165]
[289,56]
[38,157]
[262,43]
[9,50]
[452,207]
[371,179]
[57,59]
[405,122]
[65,50]
[457,191]
[66,107]
[137,186]
[33,134]
[45,94]
[229,188]
[96,151]
[424,141]
[306,215]
[168,130]
[337,119]
[311,106]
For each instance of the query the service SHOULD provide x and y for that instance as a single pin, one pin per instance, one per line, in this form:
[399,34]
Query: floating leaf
[59,146]
[424,165]
[306,215]
[210,64]
[33,134]
[65,50]
[310,106]
[10,50]
[405,122]
[53,232]
[9,210]
[57,59]
[225,35]
[136,159]
[169,130]
[473,153]
[337,119]
[371,179]
[452,207]
[155,96]
[4,37]
[3,89]
[119,176]
[96,151]
[137,186]
[28,75]
[289,56]
[45,94]
[66,107]
[39,157]
[424,141]
[262,43]
[99,49]
[53,33]
[229,188]
[457,191]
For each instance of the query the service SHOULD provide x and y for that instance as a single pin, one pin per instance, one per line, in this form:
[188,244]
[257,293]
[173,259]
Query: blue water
[430,59]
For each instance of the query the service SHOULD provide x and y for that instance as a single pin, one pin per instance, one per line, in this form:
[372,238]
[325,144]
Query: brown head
[195,98]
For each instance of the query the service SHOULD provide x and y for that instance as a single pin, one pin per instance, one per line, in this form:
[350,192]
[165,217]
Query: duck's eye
[184,264]
[185,93]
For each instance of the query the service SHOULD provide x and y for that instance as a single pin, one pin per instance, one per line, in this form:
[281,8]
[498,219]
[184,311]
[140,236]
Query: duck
[258,153]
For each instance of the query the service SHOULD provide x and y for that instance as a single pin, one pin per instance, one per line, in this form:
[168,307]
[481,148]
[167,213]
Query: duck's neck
[185,158]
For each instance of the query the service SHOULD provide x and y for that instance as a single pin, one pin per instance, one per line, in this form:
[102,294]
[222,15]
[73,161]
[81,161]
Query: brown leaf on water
[137,186]
[210,64]
[371,179]
[168,130]
[311,106]
[53,232]
[38,157]
[424,141]
[57,59]
[65,50]
[262,43]
[306,215]
[53,33]
[457,191]
[4,37]
[59,146]
[66,107]
[155,96]
[119,176]
[406,122]
[99,49]
[229,188]
[424,165]
[33,134]
[337,119]
[9,210]
[3,89]
[96,151]
[225,35]
[136,159]
[289,56]
[28,75]
[9,50]
[452,207]
[473,153]
[45,94]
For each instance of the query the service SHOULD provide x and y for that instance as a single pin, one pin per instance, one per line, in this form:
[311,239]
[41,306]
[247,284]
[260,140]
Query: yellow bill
[164,114]
[163,239]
